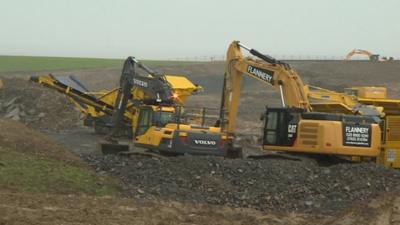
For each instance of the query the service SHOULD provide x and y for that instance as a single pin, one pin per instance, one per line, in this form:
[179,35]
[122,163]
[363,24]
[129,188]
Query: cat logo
[292,128]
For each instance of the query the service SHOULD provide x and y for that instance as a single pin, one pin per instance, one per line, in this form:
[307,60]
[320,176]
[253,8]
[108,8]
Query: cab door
[280,126]
[144,124]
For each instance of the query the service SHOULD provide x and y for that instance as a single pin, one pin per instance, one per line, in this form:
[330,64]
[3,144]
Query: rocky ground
[278,185]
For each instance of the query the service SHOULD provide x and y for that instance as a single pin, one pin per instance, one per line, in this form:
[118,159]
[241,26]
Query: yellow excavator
[374,99]
[372,57]
[151,106]
[294,127]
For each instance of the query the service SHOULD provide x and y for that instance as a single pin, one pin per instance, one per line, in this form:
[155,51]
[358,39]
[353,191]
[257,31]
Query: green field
[37,64]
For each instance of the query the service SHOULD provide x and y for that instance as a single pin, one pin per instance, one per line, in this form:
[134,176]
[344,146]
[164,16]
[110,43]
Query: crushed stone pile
[268,184]
[36,106]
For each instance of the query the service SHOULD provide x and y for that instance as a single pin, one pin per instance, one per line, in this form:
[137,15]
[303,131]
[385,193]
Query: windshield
[160,119]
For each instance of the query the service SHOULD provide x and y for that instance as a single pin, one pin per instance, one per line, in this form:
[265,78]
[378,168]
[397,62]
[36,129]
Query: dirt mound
[272,185]
[56,209]
[25,208]
[17,137]
[36,106]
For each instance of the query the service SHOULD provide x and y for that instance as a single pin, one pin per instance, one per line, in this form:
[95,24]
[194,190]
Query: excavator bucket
[113,149]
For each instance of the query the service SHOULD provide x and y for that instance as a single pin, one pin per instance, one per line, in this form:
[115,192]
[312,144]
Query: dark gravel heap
[37,106]
[268,184]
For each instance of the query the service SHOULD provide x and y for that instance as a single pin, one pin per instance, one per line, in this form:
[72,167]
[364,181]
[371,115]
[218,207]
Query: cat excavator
[294,127]
[151,106]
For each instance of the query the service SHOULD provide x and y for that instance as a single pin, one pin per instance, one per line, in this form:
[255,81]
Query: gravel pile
[268,184]
[36,106]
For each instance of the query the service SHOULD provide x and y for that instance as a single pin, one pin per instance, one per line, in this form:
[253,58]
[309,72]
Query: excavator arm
[153,85]
[265,69]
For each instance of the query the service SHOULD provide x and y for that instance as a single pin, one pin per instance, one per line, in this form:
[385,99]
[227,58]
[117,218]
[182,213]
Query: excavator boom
[265,69]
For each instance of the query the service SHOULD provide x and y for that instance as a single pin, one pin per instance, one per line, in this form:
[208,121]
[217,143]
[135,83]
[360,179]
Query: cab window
[271,127]
[160,119]
[145,120]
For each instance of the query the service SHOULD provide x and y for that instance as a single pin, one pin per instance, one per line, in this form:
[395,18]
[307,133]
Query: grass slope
[31,162]
[30,173]
[37,64]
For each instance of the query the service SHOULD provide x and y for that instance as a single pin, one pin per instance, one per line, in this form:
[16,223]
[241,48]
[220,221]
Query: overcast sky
[166,29]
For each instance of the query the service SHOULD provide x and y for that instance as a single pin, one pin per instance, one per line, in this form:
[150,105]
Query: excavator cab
[149,120]
[281,125]
[162,129]
[296,130]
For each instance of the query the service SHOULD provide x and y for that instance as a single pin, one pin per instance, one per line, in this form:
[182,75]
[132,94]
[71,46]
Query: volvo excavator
[294,127]
[151,106]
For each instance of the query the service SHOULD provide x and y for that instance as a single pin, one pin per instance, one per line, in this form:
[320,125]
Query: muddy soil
[21,209]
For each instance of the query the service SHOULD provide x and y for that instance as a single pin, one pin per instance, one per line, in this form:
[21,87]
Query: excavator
[294,127]
[151,106]
[357,99]
[372,57]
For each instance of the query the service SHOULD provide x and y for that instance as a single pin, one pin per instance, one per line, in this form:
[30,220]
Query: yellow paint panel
[180,82]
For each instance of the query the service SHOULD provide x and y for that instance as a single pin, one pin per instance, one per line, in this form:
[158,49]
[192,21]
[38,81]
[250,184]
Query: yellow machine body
[390,155]
[326,137]
[367,92]
[149,135]
[154,128]
[374,97]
